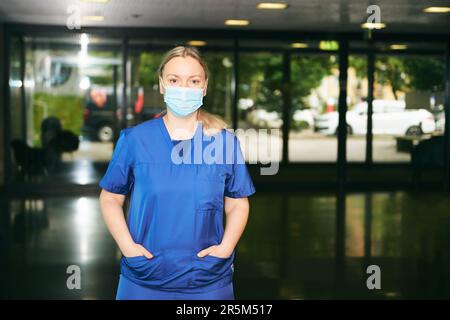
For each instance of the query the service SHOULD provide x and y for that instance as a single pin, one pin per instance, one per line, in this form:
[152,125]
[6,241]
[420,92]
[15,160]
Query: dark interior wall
[2,108]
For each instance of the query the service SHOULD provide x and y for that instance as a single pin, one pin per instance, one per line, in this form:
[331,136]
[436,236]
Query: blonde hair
[212,124]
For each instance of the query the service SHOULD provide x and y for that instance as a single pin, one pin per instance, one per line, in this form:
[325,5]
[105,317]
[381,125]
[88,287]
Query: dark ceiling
[400,16]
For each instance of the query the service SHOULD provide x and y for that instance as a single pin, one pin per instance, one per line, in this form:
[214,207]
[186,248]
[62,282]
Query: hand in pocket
[137,250]
[217,251]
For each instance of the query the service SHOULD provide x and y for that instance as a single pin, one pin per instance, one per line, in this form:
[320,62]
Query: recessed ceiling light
[96,1]
[373,25]
[437,10]
[299,45]
[272,5]
[93,18]
[197,43]
[398,47]
[237,22]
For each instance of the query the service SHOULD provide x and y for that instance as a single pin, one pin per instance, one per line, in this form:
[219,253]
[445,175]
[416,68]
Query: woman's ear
[161,88]
[205,88]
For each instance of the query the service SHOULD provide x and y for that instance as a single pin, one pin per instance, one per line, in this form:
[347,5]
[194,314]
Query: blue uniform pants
[128,290]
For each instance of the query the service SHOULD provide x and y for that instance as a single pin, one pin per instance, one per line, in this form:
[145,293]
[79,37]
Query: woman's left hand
[216,251]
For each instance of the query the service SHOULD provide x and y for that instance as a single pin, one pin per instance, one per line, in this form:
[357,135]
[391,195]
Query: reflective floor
[296,246]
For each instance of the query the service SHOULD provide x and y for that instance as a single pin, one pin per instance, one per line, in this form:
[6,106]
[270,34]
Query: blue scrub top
[176,209]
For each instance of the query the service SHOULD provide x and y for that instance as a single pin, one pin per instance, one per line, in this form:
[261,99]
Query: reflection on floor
[296,246]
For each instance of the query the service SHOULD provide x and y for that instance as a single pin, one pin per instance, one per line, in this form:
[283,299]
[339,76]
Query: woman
[173,242]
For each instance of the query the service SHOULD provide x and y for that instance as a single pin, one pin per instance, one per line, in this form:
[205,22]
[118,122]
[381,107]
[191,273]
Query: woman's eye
[172,80]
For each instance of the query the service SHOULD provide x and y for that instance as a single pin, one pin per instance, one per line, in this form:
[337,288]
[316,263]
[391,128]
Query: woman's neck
[181,128]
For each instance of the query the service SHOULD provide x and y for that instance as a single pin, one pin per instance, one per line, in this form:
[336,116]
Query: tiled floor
[292,247]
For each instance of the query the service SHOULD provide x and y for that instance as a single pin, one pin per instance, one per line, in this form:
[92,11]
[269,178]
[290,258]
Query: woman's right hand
[137,250]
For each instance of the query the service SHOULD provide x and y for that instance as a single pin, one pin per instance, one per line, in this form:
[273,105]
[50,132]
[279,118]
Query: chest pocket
[209,188]
[209,193]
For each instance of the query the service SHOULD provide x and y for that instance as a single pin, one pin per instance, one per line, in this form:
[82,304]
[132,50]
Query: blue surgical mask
[183,101]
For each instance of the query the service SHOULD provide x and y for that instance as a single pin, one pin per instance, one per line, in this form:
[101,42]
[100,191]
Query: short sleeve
[238,183]
[119,175]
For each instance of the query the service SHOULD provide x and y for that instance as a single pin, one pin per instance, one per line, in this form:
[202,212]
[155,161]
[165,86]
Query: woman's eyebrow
[175,75]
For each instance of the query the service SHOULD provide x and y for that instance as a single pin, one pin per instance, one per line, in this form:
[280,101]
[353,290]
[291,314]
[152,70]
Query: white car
[306,115]
[389,118]
[265,119]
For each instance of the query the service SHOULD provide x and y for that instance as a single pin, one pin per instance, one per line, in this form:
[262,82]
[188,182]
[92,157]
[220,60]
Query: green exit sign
[329,45]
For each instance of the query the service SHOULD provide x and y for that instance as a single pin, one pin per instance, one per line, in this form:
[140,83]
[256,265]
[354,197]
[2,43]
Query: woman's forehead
[184,66]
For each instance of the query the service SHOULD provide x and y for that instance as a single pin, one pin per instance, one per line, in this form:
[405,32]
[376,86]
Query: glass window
[357,91]
[15,85]
[69,119]
[314,115]
[409,94]
[260,105]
